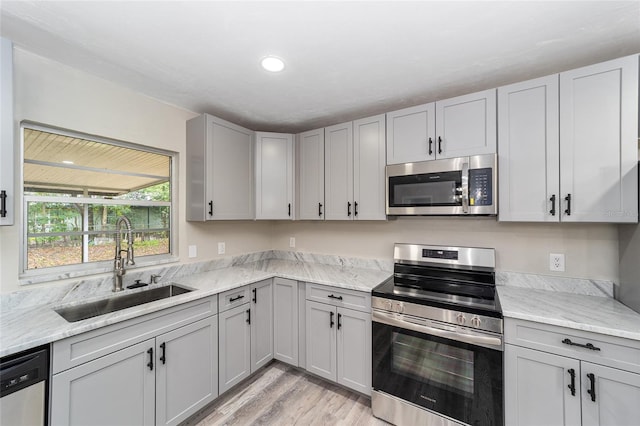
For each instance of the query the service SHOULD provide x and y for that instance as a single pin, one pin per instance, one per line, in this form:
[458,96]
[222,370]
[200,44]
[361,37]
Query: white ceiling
[344,60]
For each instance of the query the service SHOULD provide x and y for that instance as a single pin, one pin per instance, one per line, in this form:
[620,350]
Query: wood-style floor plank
[283,395]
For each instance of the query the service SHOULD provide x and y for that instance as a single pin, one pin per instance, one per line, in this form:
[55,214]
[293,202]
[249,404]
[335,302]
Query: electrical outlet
[193,251]
[292,241]
[221,248]
[556,262]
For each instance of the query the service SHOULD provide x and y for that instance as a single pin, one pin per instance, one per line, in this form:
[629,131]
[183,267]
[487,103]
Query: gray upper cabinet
[310,167]
[461,126]
[261,323]
[219,170]
[599,142]
[568,146]
[354,170]
[528,151]
[7,194]
[274,176]
[285,321]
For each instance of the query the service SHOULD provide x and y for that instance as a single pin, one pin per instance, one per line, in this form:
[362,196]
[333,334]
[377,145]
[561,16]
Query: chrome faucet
[118,262]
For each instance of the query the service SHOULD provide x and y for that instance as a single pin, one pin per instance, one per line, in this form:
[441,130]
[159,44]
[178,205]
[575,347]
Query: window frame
[30,276]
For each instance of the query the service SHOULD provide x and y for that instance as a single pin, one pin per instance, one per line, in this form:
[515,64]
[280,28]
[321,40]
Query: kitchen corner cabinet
[285,321]
[274,175]
[338,339]
[246,332]
[552,377]
[7,194]
[456,127]
[354,170]
[157,369]
[571,141]
[310,168]
[219,170]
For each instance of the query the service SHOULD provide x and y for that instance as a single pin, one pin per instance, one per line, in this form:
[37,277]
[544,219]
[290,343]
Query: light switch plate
[292,241]
[221,248]
[193,251]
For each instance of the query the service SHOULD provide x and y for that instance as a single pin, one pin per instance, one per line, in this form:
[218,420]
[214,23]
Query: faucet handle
[154,278]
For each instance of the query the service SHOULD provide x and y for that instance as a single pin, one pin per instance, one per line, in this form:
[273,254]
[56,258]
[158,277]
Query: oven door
[457,379]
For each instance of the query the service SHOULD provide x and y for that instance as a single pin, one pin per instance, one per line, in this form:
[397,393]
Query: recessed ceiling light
[272,64]
[67,161]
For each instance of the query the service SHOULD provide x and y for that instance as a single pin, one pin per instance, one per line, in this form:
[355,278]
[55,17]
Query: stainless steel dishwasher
[24,381]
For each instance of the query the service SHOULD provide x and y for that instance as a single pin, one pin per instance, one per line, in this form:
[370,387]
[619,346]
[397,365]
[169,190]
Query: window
[75,188]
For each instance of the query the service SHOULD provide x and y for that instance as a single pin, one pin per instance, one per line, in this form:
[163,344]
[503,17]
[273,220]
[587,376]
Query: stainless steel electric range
[437,338]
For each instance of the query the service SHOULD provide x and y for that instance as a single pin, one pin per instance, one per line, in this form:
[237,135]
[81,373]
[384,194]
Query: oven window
[430,361]
[433,189]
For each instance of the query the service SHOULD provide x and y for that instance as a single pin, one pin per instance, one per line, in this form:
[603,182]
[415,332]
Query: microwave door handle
[465,188]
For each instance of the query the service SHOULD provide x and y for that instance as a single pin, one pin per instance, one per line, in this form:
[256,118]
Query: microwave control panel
[480,187]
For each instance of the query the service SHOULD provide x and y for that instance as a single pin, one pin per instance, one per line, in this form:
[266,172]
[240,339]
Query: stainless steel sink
[116,303]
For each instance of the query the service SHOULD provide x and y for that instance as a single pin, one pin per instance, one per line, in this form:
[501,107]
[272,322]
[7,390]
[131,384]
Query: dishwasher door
[24,381]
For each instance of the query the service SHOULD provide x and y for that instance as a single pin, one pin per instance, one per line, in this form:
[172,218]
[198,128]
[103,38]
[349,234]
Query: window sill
[86,270]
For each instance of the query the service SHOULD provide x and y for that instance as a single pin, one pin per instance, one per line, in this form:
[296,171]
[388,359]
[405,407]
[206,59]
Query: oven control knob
[388,304]
[399,307]
[475,321]
[461,319]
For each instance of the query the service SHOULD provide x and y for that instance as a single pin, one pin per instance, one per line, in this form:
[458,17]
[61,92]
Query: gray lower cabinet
[261,324]
[338,345]
[557,376]
[285,321]
[234,340]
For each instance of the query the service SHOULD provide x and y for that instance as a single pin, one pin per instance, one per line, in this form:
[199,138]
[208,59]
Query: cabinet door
[368,168]
[261,324]
[285,320]
[116,389]
[321,340]
[7,201]
[617,396]
[354,350]
[529,150]
[411,134]
[187,370]
[311,175]
[599,141]
[537,388]
[229,170]
[274,176]
[338,171]
[466,125]
[234,346]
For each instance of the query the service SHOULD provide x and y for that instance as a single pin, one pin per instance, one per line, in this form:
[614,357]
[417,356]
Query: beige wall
[591,251]
[54,94]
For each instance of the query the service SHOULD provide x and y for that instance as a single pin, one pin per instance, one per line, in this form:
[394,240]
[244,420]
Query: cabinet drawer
[352,299]
[606,350]
[85,347]
[232,298]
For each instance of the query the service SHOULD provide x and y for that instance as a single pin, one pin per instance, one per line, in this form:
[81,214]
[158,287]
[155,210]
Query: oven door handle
[473,339]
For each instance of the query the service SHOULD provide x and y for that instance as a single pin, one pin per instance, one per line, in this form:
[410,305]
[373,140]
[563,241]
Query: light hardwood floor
[282,395]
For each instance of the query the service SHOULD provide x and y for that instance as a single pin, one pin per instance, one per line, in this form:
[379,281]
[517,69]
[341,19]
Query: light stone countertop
[596,314]
[26,328]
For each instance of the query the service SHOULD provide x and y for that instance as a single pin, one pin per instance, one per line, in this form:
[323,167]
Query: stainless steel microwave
[454,186]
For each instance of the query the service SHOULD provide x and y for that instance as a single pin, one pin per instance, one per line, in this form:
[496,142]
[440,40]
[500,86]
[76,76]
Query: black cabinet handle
[255,295]
[355,208]
[248,316]
[233,299]
[592,387]
[163,357]
[289,211]
[572,385]
[348,208]
[210,208]
[568,200]
[553,205]
[339,318]
[150,363]
[430,144]
[587,346]
[331,296]
[331,320]
[439,145]
[319,209]
[3,203]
